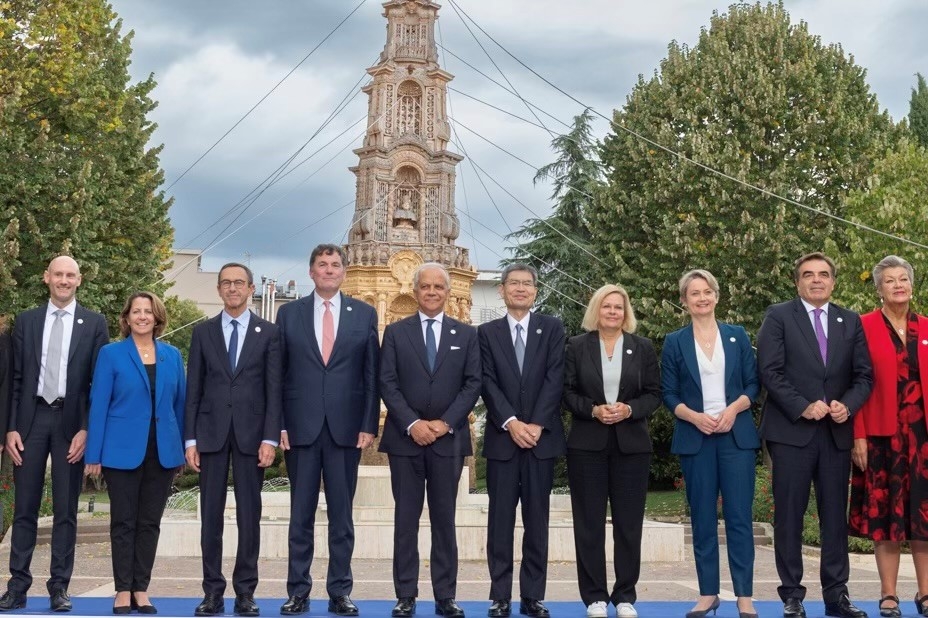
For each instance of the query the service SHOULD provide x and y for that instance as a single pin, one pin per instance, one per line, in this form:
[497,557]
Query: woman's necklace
[899,330]
[145,351]
[704,341]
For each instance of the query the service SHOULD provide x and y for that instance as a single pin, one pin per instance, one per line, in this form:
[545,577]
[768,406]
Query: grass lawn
[665,504]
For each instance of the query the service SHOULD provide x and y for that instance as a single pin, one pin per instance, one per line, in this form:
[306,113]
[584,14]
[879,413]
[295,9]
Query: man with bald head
[55,347]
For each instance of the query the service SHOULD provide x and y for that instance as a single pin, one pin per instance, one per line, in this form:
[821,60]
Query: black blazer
[89,334]
[246,402]
[792,371]
[6,377]
[342,393]
[532,396]
[639,387]
[410,391]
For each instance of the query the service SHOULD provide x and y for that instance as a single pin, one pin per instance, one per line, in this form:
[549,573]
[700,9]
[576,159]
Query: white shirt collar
[810,308]
[438,318]
[524,322]
[242,319]
[69,308]
[335,301]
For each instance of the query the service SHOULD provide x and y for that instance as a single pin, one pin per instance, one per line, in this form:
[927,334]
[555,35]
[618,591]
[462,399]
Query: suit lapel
[133,355]
[250,342]
[504,340]
[835,330]
[532,342]
[414,333]
[687,341]
[730,346]
[345,315]
[37,329]
[804,324]
[77,331]
[218,341]
[160,370]
[629,354]
[307,310]
[596,361]
[448,336]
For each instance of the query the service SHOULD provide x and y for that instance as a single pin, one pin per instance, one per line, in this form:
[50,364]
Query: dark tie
[233,344]
[820,335]
[51,380]
[431,349]
[520,347]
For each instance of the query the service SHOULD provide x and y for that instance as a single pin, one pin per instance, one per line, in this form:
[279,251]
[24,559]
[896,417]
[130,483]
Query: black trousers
[137,500]
[528,480]
[45,439]
[247,479]
[408,478]
[795,470]
[595,478]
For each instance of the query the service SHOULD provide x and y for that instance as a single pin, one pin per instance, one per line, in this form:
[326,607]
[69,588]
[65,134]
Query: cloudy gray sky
[214,60]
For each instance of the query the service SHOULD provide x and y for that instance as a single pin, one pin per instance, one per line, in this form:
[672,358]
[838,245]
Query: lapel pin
[628,351]
[732,339]
[348,308]
[453,332]
[80,320]
[840,319]
[257,329]
[924,341]
[538,332]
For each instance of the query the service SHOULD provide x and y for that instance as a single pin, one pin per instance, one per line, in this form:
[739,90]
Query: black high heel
[142,609]
[701,613]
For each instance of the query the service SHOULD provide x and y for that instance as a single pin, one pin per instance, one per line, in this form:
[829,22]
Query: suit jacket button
[229,405]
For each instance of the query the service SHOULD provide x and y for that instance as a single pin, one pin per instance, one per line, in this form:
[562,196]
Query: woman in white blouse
[709,381]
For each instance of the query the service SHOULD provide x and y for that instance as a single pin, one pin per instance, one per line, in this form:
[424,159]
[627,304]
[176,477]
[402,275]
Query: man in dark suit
[429,381]
[55,348]
[233,412]
[330,351]
[522,355]
[813,360]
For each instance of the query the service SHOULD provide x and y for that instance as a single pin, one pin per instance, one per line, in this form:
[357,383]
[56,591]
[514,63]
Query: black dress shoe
[447,607]
[295,605]
[342,606]
[843,608]
[211,605]
[142,609]
[792,608]
[245,605]
[533,607]
[500,608]
[12,600]
[122,610]
[60,601]
[404,608]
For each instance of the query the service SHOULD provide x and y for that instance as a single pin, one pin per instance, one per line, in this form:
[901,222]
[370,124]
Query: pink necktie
[328,332]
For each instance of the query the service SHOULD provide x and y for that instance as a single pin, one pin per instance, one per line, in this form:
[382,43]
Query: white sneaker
[626,610]
[596,610]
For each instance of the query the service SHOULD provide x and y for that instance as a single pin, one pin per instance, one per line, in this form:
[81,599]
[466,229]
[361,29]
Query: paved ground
[180,577]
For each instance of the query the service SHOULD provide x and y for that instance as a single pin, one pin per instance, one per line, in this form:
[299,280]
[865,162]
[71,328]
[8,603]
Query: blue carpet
[179,606]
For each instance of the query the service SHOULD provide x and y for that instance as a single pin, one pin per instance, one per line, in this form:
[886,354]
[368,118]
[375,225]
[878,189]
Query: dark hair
[157,309]
[251,277]
[517,266]
[328,249]
[808,257]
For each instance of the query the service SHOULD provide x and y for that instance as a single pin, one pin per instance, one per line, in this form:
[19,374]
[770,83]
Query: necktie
[520,347]
[51,381]
[233,344]
[820,335]
[328,332]
[431,349]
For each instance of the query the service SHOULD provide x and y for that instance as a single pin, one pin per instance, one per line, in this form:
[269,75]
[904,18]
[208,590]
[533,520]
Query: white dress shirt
[319,309]
[243,321]
[712,377]
[810,309]
[512,335]
[67,322]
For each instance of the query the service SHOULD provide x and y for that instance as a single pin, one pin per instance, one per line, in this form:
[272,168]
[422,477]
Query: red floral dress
[889,500]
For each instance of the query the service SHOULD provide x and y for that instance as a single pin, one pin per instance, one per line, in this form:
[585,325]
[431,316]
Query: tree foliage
[559,246]
[183,315]
[893,200]
[918,111]
[76,175]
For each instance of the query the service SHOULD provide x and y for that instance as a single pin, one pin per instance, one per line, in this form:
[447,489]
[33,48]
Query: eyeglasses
[238,284]
[514,283]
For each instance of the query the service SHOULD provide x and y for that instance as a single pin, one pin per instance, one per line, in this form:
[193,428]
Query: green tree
[893,200]
[76,174]
[765,102]
[555,245]
[183,315]
[918,111]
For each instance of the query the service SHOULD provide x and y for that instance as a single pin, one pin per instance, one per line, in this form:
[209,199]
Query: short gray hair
[891,261]
[698,273]
[428,266]
[516,267]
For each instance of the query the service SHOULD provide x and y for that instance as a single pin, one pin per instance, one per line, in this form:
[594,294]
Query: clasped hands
[817,410]
[425,432]
[525,435]
[611,413]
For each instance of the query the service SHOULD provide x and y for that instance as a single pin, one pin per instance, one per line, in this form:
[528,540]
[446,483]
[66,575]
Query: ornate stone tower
[404,212]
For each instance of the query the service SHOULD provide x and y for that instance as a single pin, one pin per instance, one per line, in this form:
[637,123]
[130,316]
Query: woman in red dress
[889,484]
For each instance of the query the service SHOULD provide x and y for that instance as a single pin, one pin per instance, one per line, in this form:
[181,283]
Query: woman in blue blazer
[709,381]
[134,438]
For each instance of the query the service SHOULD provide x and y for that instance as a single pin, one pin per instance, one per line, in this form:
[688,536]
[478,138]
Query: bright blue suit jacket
[120,407]
[680,383]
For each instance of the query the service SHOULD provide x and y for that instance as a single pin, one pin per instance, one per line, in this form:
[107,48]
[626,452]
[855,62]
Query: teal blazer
[680,383]
[120,407]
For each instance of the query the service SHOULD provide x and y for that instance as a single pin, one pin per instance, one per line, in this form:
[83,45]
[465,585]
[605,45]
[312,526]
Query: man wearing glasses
[522,355]
[233,412]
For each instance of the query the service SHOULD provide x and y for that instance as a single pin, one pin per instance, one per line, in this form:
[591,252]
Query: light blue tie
[431,349]
[520,347]
[51,379]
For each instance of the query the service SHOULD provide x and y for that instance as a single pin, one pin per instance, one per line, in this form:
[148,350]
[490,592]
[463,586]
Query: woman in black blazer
[612,386]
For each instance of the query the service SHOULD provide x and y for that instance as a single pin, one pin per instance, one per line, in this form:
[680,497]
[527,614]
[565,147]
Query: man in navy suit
[331,411]
[233,412]
[813,360]
[55,348]
[523,377]
[429,381]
